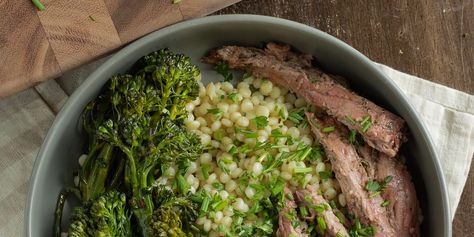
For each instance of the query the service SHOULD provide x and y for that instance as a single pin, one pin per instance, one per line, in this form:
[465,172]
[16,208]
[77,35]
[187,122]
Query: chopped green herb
[234,97]
[366,123]
[277,187]
[260,121]
[358,230]
[283,113]
[205,171]
[223,69]
[223,167]
[205,205]
[372,186]
[218,206]
[339,235]
[353,137]
[92,18]
[350,120]
[176,1]
[216,112]
[325,175]
[321,224]
[296,116]
[244,148]
[328,129]
[320,208]
[38,4]
[299,170]
[304,211]
[246,75]
[218,186]
[387,180]
[233,150]
[385,203]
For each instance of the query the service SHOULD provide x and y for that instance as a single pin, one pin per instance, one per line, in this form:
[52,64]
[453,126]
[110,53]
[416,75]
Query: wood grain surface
[41,45]
[430,39]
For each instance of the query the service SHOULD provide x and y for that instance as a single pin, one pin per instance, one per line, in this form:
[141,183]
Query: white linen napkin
[26,117]
[449,117]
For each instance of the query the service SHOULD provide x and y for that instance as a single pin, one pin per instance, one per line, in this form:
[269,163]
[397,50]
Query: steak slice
[294,71]
[311,198]
[287,216]
[400,192]
[352,176]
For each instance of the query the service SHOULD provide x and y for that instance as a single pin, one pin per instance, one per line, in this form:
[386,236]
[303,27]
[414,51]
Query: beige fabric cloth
[26,117]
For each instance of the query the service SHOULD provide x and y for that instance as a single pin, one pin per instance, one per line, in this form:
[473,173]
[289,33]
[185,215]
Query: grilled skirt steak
[352,177]
[287,216]
[310,197]
[380,129]
[403,208]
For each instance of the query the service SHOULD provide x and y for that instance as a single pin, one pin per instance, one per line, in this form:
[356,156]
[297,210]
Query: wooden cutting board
[41,45]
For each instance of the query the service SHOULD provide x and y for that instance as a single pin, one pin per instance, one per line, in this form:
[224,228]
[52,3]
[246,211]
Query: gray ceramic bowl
[57,158]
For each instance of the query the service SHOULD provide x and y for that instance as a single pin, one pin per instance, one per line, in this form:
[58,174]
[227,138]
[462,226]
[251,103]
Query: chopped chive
[304,211]
[328,129]
[92,18]
[218,206]
[321,224]
[375,194]
[366,123]
[223,167]
[234,97]
[350,120]
[205,171]
[385,203]
[365,120]
[218,186]
[233,150]
[352,137]
[299,170]
[216,112]
[205,204]
[38,4]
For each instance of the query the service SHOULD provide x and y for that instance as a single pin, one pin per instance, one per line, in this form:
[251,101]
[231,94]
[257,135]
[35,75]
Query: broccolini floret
[105,216]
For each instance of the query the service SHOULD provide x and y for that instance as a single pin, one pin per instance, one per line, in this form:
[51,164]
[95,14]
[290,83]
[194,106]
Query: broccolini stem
[38,5]
[99,173]
[58,213]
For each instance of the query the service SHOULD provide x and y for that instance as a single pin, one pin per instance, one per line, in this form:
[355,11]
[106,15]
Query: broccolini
[134,128]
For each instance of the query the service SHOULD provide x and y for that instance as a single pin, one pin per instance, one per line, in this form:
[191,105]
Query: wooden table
[430,39]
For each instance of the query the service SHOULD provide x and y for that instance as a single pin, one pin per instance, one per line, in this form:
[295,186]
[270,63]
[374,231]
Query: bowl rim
[230,18]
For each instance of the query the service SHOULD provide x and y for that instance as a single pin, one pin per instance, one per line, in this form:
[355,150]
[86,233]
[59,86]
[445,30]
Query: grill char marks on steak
[352,176]
[310,198]
[294,71]
[287,215]
[400,192]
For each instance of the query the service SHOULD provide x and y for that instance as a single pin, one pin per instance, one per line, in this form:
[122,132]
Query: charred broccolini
[134,128]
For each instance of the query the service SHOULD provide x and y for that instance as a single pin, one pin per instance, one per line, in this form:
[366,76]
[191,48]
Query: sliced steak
[287,216]
[293,71]
[311,198]
[400,192]
[352,176]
